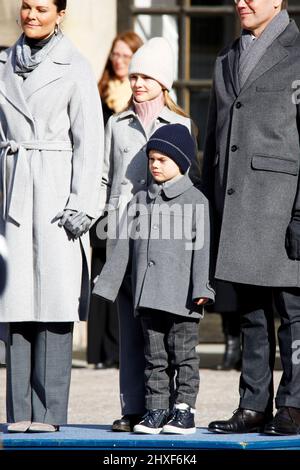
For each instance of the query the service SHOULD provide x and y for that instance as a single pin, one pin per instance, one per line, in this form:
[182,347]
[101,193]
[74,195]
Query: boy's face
[162,167]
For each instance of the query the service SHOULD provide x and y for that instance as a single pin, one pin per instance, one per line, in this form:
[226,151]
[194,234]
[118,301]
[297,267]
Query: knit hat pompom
[175,141]
[155,60]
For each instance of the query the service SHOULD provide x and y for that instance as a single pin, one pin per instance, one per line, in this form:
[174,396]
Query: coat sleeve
[87,130]
[296,207]
[201,269]
[111,277]
[207,173]
[108,165]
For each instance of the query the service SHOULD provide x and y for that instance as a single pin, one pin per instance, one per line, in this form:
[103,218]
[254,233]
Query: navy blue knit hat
[175,141]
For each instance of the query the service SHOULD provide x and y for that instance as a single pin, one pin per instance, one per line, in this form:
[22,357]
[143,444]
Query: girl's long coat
[51,159]
[125,168]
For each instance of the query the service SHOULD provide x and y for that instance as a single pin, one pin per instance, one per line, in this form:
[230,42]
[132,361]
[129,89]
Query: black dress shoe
[232,358]
[285,423]
[126,423]
[242,421]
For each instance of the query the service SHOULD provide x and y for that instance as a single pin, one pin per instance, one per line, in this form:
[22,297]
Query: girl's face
[144,88]
[120,58]
[39,17]
[162,167]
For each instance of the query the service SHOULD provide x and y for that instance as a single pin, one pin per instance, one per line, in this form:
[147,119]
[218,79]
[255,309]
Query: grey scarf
[250,50]
[25,63]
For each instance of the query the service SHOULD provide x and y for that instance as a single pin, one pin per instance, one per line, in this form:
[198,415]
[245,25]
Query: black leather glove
[292,239]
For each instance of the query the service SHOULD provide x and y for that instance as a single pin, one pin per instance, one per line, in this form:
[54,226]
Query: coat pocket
[273,163]
[268,89]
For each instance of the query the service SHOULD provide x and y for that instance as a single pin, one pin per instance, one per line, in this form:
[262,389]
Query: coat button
[234,148]
[142,182]
[151,263]
[238,105]
[230,191]
[126,149]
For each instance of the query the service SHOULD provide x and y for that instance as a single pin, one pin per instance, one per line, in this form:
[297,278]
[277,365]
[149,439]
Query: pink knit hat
[155,59]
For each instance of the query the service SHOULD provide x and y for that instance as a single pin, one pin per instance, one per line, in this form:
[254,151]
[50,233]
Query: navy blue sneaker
[182,421]
[153,422]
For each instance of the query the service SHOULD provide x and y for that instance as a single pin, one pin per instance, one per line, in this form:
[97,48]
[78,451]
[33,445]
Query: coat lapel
[11,84]
[51,69]
[228,67]
[47,72]
[275,54]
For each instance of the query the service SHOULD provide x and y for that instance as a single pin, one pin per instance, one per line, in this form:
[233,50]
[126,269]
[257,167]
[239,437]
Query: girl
[125,172]
[115,92]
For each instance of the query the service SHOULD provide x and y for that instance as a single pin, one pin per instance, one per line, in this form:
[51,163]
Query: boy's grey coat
[58,105]
[251,164]
[166,275]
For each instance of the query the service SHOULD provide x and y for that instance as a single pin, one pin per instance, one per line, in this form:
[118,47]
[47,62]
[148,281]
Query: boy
[164,241]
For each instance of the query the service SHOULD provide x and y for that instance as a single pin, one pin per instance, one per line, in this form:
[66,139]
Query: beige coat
[51,134]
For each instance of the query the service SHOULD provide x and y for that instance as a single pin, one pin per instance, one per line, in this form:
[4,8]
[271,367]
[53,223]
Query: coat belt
[15,206]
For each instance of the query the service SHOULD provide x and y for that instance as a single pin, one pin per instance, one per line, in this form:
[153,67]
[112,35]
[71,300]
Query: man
[251,174]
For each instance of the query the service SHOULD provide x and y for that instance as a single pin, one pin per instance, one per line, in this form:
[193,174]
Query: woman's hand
[75,222]
[78,224]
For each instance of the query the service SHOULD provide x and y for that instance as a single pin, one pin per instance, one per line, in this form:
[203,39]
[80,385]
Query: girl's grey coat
[125,168]
[51,159]
[167,249]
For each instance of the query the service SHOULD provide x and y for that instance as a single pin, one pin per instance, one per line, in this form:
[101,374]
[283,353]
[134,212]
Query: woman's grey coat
[51,158]
[165,240]
[251,164]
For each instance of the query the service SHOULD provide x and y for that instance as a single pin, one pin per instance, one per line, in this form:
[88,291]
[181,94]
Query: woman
[115,92]
[151,74]
[51,164]
[114,86]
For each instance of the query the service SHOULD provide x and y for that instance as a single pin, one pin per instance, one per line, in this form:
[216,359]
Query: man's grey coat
[51,134]
[167,250]
[251,164]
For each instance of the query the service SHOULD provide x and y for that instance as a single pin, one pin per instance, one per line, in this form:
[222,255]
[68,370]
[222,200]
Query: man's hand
[202,301]
[292,239]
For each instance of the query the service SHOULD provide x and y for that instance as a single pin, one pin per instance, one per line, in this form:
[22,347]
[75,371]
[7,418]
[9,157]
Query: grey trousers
[39,363]
[170,346]
[132,360]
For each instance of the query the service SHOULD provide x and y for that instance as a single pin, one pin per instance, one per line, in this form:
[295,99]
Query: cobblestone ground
[94,393]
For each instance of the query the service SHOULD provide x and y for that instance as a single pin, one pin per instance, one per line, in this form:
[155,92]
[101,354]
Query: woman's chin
[33,33]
